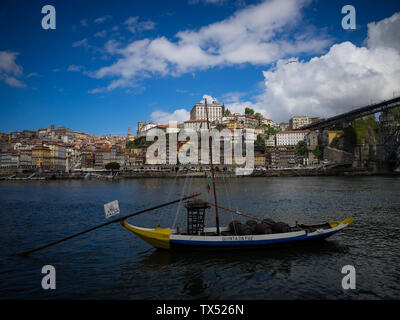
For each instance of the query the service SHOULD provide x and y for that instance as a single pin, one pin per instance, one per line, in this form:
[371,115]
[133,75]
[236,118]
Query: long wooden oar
[105,224]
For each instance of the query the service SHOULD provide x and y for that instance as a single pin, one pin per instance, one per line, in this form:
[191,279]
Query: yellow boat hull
[158,237]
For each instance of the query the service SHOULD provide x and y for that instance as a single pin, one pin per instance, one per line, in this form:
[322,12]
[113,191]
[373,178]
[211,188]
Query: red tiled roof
[198,120]
[294,131]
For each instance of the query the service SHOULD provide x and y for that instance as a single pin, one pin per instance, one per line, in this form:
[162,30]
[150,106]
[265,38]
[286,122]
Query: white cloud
[9,70]
[81,43]
[209,99]
[385,33]
[33,74]
[96,90]
[344,78]
[163,117]
[7,63]
[100,34]
[75,68]
[216,2]
[239,107]
[256,35]
[134,25]
[12,81]
[112,46]
[102,19]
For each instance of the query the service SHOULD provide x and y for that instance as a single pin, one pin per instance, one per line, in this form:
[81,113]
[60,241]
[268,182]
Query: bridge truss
[390,131]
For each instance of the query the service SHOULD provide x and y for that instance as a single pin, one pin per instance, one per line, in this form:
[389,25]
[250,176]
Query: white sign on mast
[111,208]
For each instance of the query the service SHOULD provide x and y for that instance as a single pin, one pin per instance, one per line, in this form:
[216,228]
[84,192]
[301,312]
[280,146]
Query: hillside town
[276,145]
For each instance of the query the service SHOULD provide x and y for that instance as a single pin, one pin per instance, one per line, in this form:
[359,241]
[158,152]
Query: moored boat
[166,238]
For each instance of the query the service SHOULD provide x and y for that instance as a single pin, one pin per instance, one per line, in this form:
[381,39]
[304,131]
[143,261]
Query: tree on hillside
[301,149]
[248,111]
[260,142]
[269,130]
[319,152]
[138,143]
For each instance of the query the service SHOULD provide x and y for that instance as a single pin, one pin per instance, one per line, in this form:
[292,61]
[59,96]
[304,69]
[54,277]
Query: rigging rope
[180,203]
[229,200]
[162,215]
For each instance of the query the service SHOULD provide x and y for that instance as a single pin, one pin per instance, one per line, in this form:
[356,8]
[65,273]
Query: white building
[196,125]
[249,135]
[9,158]
[270,123]
[299,121]
[143,128]
[290,138]
[270,141]
[215,111]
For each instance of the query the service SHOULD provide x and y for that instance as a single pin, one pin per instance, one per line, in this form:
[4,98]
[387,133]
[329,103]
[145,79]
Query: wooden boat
[197,237]
[166,238]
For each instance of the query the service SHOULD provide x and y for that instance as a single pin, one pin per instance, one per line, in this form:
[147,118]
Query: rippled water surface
[111,263]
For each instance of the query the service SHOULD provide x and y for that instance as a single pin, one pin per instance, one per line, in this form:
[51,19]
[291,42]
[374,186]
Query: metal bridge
[390,133]
[355,114]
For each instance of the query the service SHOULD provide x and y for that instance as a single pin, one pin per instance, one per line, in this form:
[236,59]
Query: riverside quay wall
[115,175]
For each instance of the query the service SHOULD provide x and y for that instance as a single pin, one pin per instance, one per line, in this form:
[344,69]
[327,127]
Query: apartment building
[215,111]
[290,138]
[298,122]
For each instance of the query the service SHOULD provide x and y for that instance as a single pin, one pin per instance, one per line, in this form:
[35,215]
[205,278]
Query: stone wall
[338,156]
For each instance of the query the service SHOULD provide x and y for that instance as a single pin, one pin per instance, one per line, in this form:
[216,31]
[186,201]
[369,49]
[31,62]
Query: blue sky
[109,64]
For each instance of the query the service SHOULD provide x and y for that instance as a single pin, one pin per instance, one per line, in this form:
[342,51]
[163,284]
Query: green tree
[248,111]
[319,152]
[395,112]
[272,130]
[260,142]
[138,143]
[301,149]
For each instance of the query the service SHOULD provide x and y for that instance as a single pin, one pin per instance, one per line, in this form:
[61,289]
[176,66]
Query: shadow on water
[164,258]
[206,275]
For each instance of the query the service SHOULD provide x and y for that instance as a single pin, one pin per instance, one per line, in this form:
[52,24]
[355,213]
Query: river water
[111,263]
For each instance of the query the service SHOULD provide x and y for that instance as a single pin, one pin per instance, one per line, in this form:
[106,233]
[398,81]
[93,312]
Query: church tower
[139,127]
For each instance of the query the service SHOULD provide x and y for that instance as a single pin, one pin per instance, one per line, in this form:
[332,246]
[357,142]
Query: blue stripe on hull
[193,244]
[236,243]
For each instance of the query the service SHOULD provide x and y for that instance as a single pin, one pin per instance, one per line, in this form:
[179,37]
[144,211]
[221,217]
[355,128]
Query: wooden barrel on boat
[244,230]
[261,228]
[268,222]
[238,228]
[252,225]
[280,227]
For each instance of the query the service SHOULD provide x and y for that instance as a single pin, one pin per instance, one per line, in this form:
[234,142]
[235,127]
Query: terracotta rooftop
[294,131]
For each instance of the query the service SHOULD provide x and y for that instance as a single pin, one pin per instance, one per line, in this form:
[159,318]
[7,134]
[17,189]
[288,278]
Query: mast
[212,168]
